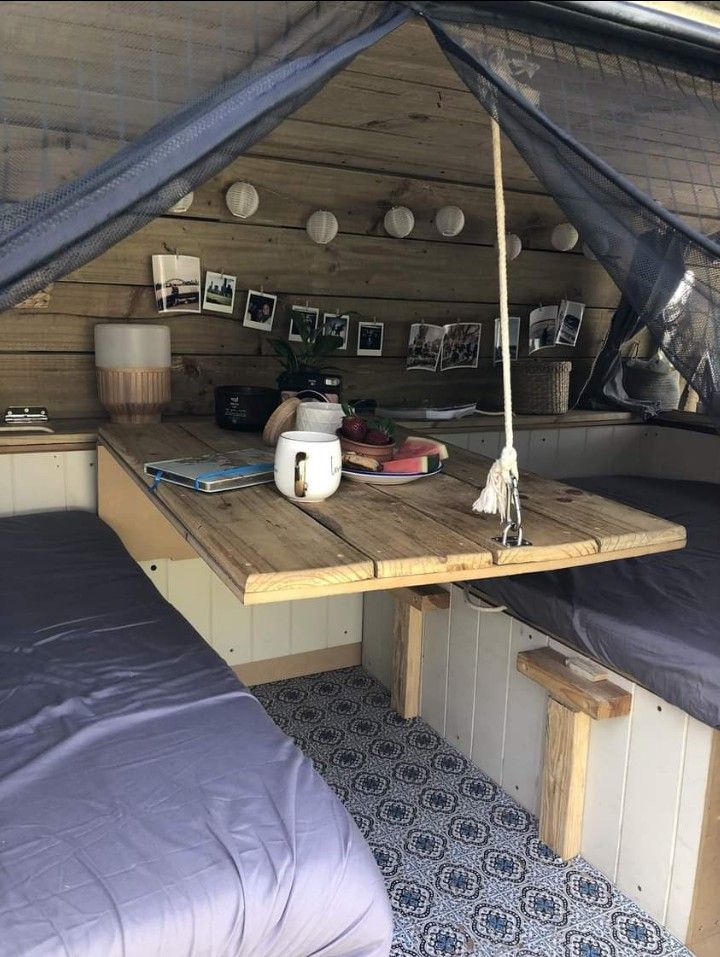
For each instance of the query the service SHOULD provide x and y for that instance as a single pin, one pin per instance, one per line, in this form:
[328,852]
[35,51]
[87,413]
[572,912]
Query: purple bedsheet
[656,618]
[148,805]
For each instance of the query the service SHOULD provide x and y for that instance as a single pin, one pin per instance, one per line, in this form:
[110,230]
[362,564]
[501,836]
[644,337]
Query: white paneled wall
[241,634]
[45,481]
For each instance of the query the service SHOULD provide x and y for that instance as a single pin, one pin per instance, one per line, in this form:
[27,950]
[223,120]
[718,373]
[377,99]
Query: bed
[656,618]
[149,805]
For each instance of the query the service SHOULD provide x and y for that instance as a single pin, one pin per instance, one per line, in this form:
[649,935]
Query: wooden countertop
[267,548]
[76,434]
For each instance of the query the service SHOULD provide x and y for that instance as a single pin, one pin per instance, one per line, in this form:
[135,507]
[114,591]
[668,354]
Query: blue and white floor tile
[465,870]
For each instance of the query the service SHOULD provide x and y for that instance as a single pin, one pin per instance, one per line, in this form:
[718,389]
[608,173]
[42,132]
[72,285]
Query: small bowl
[381,453]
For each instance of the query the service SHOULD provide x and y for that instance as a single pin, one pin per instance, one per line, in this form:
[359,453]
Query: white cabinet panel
[491,688]
[7,505]
[231,624]
[81,480]
[189,592]
[543,452]
[271,631]
[436,639]
[377,632]
[344,620]
[308,629]
[38,482]
[698,746]
[655,761]
[462,657]
[525,724]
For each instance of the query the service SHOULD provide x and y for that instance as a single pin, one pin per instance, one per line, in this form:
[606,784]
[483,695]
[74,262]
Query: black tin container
[244,408]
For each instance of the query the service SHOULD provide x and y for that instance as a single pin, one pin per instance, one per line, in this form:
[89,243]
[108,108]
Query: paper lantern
[322,227]
[513,246]
[183,204]
[242,200]
[564,237]
[399,222]
[450,221]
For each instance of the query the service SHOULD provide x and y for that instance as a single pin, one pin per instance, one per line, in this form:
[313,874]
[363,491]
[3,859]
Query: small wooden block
[598,699]
[562,800]
[424,597]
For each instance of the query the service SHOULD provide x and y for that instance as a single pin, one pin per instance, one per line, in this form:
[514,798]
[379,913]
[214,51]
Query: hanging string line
[497,496]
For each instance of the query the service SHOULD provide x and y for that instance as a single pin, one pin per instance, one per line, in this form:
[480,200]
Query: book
[414,411]
[216,471]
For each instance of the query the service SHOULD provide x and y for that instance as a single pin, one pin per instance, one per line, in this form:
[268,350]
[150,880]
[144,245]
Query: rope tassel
[500,493]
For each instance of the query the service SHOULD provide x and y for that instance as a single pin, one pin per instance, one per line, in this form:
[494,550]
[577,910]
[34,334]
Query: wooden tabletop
[363,538]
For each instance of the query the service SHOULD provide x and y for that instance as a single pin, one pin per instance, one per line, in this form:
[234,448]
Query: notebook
[217,471]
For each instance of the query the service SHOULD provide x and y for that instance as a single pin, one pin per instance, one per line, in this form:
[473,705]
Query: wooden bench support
[411,605]
[573,702]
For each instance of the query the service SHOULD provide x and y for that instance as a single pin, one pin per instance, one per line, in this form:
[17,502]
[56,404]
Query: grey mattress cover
[657,618]
[148,805]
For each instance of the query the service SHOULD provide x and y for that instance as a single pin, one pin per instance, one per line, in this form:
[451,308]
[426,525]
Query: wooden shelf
[578,418]
[267,548]
[68,435]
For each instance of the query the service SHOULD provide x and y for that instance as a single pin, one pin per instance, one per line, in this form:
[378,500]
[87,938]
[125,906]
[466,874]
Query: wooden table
[267,548]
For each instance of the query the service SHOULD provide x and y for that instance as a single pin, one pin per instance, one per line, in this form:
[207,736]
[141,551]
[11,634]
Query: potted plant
[304,368]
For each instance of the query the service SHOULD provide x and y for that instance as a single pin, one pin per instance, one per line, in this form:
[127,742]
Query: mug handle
[300,468]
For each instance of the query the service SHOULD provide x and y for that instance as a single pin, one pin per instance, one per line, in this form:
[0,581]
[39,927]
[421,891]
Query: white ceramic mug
[308,465]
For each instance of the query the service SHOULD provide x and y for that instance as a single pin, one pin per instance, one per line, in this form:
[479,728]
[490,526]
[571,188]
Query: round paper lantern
[513,246]
[564,237]
[450,221]
[242,200]
[399,222]
[322,227]
[183,204]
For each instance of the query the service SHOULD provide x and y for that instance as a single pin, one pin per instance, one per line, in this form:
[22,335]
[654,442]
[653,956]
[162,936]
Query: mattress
[149,806]
[655,619]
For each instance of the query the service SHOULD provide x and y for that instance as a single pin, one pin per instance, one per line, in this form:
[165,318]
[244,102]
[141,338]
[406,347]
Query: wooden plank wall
[396,127]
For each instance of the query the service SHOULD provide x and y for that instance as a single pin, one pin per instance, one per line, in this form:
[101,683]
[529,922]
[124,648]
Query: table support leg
[564,777]
[411,605]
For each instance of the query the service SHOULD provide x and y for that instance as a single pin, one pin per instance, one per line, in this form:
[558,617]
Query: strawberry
[354,427]
[377,437]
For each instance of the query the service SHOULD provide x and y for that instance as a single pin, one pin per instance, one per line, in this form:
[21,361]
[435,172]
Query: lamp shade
[399,222]
[183,204]
[322,227]
[450,221]
[242,200]
[564,237]
[123,345]
[133,370]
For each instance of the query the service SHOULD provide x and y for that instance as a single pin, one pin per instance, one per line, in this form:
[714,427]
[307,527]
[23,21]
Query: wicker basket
[541,387]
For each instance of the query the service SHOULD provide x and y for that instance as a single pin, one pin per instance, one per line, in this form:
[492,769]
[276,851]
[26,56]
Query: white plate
[392,478]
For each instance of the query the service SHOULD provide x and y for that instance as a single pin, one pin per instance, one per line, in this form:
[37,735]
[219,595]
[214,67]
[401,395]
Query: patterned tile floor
[465,870]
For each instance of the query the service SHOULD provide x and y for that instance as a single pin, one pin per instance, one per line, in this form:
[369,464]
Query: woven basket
[541,387]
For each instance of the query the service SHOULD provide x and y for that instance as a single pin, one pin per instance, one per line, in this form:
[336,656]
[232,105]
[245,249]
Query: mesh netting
[113,111]
[630,150]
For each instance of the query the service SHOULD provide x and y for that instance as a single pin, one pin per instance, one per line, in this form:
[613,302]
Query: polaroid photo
[337,325]
[570,317]
[177,283]
[219,293]
[298,315]
[424,346]
[370,338]
[460,346]
[259,310]
[514,330]
[543,322]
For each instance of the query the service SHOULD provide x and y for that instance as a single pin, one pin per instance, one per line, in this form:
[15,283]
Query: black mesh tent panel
[132,104]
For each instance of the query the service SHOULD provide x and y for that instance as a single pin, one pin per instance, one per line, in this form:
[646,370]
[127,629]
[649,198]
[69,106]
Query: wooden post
[564,774]
[411,605]
[572,703]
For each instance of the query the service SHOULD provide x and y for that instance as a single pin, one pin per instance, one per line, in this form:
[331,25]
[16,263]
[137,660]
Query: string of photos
[435,348]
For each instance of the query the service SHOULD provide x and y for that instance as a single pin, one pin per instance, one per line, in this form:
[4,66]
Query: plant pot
[325,385]
[381,453]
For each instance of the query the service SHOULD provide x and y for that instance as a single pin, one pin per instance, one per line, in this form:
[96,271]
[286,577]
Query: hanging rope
[500,492]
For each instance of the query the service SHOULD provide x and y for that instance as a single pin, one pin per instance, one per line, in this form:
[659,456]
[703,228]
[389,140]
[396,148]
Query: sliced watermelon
[412,463]
[417,445]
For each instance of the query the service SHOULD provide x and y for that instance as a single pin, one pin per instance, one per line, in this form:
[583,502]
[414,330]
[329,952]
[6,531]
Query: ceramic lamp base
[134,396]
